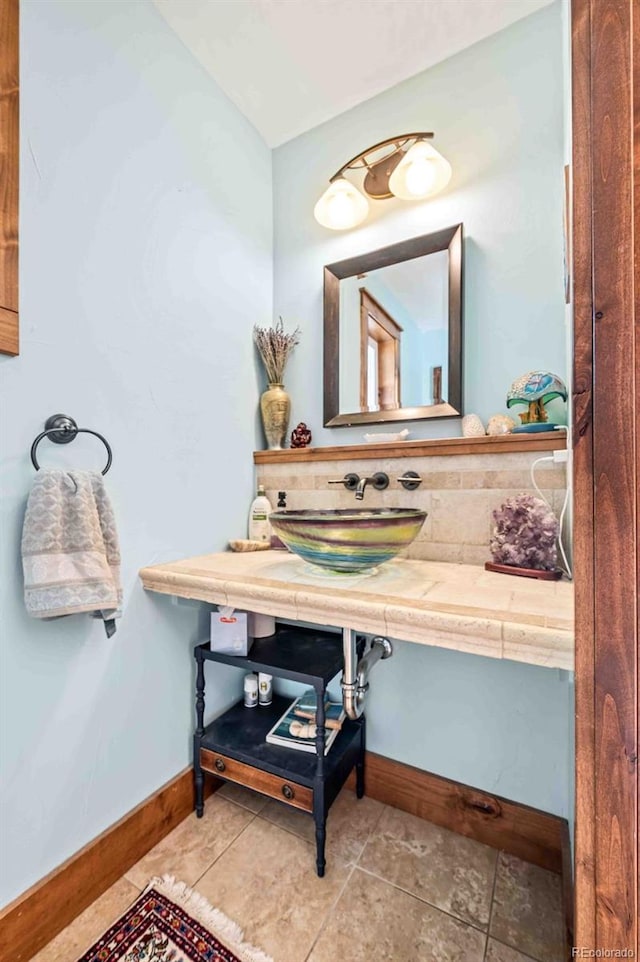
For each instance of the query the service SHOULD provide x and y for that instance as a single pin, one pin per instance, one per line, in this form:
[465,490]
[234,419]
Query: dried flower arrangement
[525,537]
[275,347]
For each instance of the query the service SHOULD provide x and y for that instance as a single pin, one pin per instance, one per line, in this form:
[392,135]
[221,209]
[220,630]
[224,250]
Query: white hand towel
[70,552]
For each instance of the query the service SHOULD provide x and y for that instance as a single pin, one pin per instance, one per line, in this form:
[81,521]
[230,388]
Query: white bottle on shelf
[259,526]
[265,688]
[250,690]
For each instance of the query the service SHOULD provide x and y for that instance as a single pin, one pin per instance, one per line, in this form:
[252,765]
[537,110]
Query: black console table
[233,747]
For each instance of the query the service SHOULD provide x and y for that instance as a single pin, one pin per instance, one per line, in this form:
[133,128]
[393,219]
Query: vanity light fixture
[407,166]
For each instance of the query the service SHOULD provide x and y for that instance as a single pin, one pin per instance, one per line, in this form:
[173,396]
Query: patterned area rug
[172,923]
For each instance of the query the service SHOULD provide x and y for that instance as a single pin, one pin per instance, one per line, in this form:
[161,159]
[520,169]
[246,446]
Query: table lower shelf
[240,734]
[234,748]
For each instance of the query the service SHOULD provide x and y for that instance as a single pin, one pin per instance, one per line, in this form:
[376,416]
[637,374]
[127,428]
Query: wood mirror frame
[450,238]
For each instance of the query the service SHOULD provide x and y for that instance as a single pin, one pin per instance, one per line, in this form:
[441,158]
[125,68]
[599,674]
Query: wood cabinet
[9,160]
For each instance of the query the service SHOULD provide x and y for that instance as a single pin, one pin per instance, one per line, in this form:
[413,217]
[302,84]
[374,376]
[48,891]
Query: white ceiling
[289,65]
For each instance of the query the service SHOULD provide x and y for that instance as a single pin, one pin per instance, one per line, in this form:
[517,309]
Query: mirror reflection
[394,327]
[393,332]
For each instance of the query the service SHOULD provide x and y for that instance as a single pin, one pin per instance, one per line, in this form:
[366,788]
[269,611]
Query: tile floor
[397,888]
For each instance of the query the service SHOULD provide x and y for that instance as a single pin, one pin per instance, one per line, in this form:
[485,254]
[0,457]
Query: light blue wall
[496,725]
[146,257]
[497,112]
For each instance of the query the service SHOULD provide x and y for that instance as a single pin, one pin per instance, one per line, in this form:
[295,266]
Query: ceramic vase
[275,408]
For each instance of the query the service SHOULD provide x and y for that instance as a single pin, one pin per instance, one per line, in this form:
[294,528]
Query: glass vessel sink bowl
[348,540]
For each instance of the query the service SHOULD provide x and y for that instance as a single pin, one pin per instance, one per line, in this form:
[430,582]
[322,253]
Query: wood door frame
[372,308]
[9,163]
[606,244]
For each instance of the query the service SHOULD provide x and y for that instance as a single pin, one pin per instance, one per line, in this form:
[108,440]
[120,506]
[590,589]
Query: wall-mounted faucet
[353,482]
[380,481]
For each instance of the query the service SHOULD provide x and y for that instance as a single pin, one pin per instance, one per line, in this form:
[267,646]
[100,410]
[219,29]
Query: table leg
[198,772]
[319,807]
[320,817]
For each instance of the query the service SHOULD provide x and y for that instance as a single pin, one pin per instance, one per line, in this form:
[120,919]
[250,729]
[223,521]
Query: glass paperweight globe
[535,390]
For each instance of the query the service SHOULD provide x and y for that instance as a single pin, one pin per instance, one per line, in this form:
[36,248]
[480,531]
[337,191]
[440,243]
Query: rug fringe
[202,910]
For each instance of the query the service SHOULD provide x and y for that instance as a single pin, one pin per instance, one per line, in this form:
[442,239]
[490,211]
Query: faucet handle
[350,481]
[410,480]
[380,480]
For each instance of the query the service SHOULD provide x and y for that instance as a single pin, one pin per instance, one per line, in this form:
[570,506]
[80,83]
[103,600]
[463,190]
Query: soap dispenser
[275,540]
[259,526]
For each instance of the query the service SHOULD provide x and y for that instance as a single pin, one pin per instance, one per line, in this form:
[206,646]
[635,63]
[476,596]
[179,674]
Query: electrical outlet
[561,457]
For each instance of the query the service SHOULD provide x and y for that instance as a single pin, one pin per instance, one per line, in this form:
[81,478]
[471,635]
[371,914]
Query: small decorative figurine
[535,389]
[472,426]
[301,436]
[524,539]
[500,424]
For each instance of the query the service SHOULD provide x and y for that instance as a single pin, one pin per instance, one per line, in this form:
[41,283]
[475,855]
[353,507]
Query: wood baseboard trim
[526,832]
[35,917]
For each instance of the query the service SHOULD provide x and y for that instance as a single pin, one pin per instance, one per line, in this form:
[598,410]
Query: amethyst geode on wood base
[525,535]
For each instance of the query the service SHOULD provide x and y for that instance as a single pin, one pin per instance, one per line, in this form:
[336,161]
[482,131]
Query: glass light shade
[421,173]
[341,206]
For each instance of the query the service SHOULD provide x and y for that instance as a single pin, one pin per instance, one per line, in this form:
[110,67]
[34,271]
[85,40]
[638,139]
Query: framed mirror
[393,332]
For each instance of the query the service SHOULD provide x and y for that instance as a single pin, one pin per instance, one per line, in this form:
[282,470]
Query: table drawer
[299,796]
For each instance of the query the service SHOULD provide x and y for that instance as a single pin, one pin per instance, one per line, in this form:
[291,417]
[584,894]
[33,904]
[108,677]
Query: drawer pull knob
[220,765]
[288,792]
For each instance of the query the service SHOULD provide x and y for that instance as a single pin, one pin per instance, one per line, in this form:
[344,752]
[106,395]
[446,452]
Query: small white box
[229,633]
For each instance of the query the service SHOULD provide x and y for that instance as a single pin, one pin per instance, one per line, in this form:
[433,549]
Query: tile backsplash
[458,492]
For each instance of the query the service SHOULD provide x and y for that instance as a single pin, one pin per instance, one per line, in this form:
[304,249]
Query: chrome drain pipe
[355,677]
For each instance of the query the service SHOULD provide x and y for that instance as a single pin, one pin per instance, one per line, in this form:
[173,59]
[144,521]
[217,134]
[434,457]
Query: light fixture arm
[399,143]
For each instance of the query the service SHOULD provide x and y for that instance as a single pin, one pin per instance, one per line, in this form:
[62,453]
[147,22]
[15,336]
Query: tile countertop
[462,607]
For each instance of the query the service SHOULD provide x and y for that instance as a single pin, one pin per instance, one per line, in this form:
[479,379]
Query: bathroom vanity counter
[462,607]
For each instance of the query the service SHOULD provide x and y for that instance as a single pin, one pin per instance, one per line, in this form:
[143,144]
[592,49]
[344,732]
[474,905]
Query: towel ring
[62,429]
